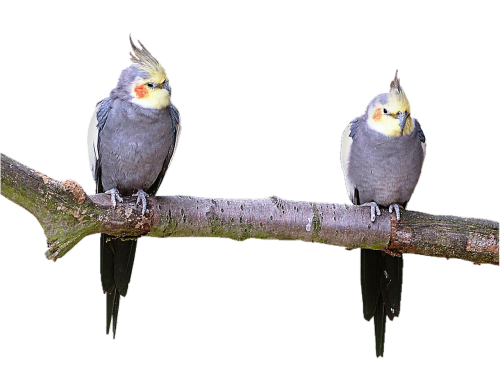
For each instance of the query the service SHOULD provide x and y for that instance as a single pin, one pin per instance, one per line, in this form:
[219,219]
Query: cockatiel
[382,156]
[132,138]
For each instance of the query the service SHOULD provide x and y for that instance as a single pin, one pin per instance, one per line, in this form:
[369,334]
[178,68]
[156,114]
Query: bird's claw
[373,209]
[395,207]
[141,198]
[115,195]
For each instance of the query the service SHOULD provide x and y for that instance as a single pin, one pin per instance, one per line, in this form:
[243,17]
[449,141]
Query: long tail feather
[117,259]
[381,284]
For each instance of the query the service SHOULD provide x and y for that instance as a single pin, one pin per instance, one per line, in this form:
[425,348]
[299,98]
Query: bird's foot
[395,207]
[141,198]
[373,209]
[115,195]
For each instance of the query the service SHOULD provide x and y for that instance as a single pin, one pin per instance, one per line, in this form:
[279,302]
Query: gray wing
[176,123]
[421,135]
[348,136]
[96,124]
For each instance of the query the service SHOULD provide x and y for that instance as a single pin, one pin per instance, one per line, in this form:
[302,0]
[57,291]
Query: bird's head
[389,113]
[146,80]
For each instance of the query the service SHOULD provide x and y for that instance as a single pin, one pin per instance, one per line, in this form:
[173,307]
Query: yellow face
[393,118]
[151,92]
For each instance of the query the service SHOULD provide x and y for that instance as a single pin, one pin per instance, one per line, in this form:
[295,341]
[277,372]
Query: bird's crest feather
[398,93]
[395,84]
[146,62]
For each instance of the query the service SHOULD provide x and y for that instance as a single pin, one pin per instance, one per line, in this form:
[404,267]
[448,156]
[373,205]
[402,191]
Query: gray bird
[132,138]
[382,156]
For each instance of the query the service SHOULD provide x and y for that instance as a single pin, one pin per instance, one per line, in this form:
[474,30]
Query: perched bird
[382,156]
[132,137]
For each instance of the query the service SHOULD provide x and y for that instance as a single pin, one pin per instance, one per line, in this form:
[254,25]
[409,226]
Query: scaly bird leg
[141,198]
[115,195]
[373,208]
[395,207]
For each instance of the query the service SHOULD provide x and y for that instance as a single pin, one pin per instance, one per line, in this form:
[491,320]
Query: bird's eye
[399,113]
[150,85]
[385,110]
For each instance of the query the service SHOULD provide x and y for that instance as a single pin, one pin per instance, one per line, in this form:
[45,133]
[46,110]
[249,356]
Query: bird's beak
[402,120]
[167,87]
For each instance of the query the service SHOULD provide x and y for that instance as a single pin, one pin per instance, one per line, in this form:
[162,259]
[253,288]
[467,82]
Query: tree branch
[67,215]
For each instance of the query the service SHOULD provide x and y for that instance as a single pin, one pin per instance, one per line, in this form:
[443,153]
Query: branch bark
[67,215]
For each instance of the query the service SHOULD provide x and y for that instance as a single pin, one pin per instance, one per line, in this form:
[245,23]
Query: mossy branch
[67,215]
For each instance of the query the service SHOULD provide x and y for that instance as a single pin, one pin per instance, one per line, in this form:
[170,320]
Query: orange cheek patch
[141,91]
[377,115]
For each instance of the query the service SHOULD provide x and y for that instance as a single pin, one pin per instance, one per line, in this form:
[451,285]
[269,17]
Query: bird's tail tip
[112,306]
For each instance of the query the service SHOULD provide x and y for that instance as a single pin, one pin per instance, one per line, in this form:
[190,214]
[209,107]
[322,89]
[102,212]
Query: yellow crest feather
[397,93]
[146,62]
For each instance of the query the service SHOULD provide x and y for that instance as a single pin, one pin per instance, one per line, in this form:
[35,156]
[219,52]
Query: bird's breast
[132,150]
[385,172]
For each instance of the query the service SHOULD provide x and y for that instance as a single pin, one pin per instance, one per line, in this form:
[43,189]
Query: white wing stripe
[424,144]
[344,159]
[93,134]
